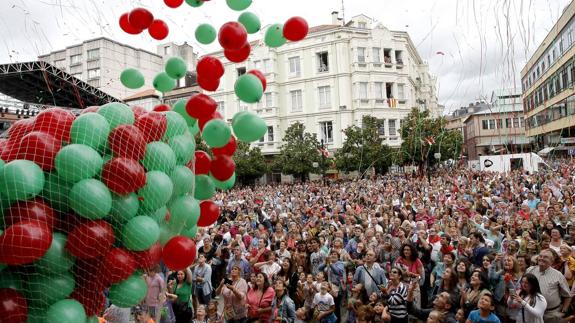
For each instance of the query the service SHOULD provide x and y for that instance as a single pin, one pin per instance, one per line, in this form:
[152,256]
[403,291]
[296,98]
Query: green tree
[298,152]
[250,163]
[363,148]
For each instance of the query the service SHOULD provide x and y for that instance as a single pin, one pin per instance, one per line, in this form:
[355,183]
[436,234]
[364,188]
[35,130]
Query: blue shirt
[475,317]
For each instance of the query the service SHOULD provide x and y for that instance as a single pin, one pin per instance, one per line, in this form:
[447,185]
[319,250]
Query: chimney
[334,18]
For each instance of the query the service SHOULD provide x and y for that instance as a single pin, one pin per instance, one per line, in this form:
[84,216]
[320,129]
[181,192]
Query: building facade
[331,80]
[100,61]
[548,85]
[496,128]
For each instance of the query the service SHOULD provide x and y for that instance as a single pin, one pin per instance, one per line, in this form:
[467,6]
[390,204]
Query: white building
[333,78]
[100,62]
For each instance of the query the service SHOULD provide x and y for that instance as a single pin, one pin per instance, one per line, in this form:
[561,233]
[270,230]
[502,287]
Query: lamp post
[323,161]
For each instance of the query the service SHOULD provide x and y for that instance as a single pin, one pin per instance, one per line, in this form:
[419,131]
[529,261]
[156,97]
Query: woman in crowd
[531,302]
[180,294]
[409,262]
[396,293]
[477,288]
[234,293]
[284,309]
[259,299]
[202,281]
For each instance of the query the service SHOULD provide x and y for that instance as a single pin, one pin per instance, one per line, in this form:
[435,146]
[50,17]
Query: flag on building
[392,103]
[324,152]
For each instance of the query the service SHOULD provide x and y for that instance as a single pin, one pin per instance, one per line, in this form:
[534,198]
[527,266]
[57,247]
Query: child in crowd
[485,312]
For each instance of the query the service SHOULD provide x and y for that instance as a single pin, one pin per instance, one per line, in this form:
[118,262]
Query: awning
[545,151]
[503,140]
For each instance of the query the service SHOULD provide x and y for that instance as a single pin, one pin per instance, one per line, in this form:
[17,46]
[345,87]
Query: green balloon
[183,179]
[116,114]
[11,280]
[176,67]
[249,88]
[157,191]
[163,82]
[184,147]
[180,108]
[36,315]
[56,191]
[227,184]
[177,125]
[45,290]
[92,319]
[91,199]
[159,156]
[239,5]
[238,116]
[195,3]
[159,215]
[205,34]
[167,233]
[190,233]
[132,78]
[21,180]
[140,233]
[194,130]
[124,207]
[90,129]
[216,133]
[250,21]
[66,311]
[76,162]
[56,259]
[274,36]
[249,127]
[184,212]
[204,188]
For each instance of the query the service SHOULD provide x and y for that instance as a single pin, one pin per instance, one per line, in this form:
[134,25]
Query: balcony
[388,62]
[399,63]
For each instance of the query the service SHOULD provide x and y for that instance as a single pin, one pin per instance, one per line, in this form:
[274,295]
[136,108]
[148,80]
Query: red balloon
[162,108]
[153,125]
[229,149]
[202,121]
[238,55]
[93,108]
[66,222]
[91,296]
[202,163]
[24,242]
[179,253]
[55,121]
[210,68]
[140,18]
[208,84]
[40,148]
[127,141]
[9,151]
[89,272]
[209,213]
[127,27]
[295,29]
[150,258]
[91,239]
[19,129]
[201,106]
[173,3]
[118,264]
[222,167]
[13,306]
[261,76]
[158,29]
[232,35]
[138,111]
[33,210]
[123,175]
[3,144]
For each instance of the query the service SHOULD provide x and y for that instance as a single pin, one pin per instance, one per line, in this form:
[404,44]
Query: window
[326,129]
[258,65]
[376,58]
[499,123]
[77,75]
[241,71]
[400,91]
[378,89]
[484,125]
[515,122]
[61,63]
[270,134]
[76,59]
[294,66]
[508,123]
[361,54]
[522,122]
[381,129]
[296,101]
[267,65]
[166,50]
[363,90]
[391,126]
[268,100]
[94,53]
[324,96]
[362,25]
[322,62]
[491,123]
[221,108]
[93,73]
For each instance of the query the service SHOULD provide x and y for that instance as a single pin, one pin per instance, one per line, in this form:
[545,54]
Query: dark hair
[451,255]
[467,267]
[490,297]
[266,282]
[413,251]
[449,285]
[535,288]
[483,279]
[478,236]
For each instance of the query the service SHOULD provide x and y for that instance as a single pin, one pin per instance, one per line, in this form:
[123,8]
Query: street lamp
[323,161]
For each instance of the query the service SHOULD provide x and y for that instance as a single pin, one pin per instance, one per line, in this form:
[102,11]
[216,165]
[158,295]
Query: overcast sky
[485,42]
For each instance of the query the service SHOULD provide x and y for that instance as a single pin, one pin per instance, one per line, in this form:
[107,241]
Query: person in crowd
[234,291]
[143,314]
[284,309]
[202,278]
[413,268]
[260,299]
[484,313]
[396,293]
[156,294]
[477,288]
[237,259]
[180,293]
[529,300]
[324,305]
[444,303]
[370,275]
[201,315]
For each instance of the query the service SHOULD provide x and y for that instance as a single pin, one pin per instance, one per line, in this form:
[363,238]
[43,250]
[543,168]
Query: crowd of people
[457,246]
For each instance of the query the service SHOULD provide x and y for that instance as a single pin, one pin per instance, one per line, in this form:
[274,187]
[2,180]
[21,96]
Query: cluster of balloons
[139,19]
[174,69]
[294,29]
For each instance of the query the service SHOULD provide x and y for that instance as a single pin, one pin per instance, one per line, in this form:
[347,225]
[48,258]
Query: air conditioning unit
[343,107]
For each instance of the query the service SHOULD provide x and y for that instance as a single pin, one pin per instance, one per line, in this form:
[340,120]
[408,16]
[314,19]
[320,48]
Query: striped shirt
[397,301]
[553,285]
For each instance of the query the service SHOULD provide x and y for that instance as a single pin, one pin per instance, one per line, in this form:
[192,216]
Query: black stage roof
[44,84]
